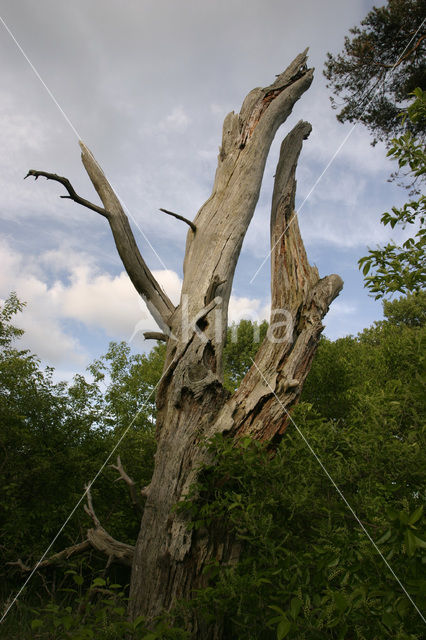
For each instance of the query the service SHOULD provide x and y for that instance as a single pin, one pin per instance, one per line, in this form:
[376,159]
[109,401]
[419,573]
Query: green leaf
[36,624]
[295,606]
[389,620]
[98,582]
[283,628]
[419,542]
[366,268]
[385,537]
[67,622]
[277,609]
[416,515]
[138,621]
[340,601]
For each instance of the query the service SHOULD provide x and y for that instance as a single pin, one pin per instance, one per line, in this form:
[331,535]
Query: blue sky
[147,84]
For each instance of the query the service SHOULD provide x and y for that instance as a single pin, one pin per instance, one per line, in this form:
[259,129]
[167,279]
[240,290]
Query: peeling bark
[192,404]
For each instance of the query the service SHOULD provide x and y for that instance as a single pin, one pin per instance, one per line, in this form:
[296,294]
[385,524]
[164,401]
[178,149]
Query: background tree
[382,63]
[242,342]
[403,268]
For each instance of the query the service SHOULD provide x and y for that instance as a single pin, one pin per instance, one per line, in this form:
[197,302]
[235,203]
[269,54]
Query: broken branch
[81,547]
[155,335]
[97,538]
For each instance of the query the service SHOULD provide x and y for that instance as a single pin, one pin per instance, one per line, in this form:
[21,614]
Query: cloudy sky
[146,84]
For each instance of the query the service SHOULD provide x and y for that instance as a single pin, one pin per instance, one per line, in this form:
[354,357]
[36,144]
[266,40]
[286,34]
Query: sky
[146,85]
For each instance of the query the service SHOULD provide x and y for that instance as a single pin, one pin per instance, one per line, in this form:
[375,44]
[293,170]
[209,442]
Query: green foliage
[408,310]
[307,568]
[402,268]
[98,612]
[46,441]
[242,342]
[54,438]
[382,62]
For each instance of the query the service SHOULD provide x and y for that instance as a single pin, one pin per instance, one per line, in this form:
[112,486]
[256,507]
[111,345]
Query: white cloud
[339,309]
[348,227]
[346,145]
[97,300]
[100,301]
[43,332]
[176,121]
[248,309]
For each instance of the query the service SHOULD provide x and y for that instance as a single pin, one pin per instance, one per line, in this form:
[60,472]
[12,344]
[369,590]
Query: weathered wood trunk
[192,404]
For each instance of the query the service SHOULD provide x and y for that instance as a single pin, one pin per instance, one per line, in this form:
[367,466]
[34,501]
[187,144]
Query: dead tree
[192,403]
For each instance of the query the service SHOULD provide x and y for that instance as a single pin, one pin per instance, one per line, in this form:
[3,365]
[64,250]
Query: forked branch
[65,554]
[157,301]
[222,222]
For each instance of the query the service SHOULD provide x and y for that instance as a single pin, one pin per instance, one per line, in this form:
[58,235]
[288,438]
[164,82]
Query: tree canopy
[382,62]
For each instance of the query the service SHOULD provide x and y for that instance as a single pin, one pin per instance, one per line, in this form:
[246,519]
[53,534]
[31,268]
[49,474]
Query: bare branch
[68,186]
[179,217]
[23,567]
[97,538]
[106,544]
[102,541]
[134,496]
[289,282]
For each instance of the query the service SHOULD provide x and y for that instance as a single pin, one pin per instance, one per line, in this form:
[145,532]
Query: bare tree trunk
[192,403]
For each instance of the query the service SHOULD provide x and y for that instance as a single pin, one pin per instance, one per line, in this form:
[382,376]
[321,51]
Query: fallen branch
[97,538]
[81,547]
